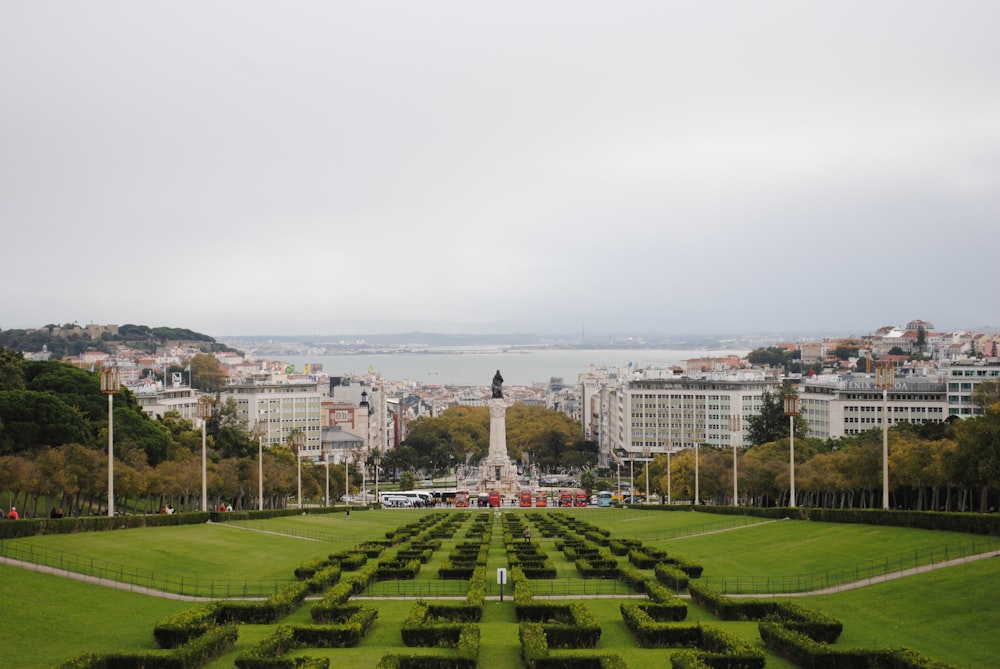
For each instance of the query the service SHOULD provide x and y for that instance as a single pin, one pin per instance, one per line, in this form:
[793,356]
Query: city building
[275,408]
[841,405]
[963,377]
[635,416]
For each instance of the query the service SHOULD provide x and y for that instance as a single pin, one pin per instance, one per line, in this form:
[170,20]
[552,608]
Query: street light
[885,378]
[259,430]
[110,385]
[326,461]
[298,443]
[697,436]
[347,482]
[631,479]
[735,428]
[669,451]
[791,410]
[619,463]
[645,456]
[204,413]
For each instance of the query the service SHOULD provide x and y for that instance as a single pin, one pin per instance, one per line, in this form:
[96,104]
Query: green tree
[11,370]
[921,342]
[35,419]
[978,454]
[770,423]
[206,373]
[767,357]
[846,351]
[986,397]
[229,431]
[77,387]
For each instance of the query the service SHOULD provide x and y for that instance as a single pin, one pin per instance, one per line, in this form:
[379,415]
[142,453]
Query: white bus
[420,498]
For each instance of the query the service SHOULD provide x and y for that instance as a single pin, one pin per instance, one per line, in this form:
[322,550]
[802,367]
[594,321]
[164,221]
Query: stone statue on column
[497,386]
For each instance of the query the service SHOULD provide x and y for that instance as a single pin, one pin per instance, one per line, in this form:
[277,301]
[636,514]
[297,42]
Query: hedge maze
[448,632]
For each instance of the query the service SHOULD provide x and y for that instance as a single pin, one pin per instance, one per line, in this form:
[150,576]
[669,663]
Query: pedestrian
[13,514]
[527,535]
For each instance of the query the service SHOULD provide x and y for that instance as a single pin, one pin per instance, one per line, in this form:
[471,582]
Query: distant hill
[64,341]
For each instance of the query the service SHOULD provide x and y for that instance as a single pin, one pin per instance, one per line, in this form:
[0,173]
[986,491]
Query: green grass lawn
[948,614]
[49,619]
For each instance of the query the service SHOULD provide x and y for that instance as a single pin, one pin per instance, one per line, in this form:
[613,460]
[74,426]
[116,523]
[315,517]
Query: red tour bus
[565,497]
[580,497]
[462,499]
[541,498]
[525,497]
[494,500]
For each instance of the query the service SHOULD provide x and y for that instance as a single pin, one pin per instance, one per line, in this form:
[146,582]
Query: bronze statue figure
[497,385]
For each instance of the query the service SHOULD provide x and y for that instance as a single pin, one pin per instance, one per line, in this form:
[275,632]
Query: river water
[476,366]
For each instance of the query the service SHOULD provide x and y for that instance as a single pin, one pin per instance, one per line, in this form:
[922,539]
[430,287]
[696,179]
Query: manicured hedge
[198,651]
[805,652]
[815,624]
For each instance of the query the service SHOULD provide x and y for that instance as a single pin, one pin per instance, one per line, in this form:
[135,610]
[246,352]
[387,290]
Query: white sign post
[501,579]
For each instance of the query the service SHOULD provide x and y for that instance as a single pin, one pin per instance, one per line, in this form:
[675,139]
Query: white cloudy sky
[253,167]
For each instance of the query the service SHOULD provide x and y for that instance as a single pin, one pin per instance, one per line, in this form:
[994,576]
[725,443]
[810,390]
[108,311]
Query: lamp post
[696,437]
[631,479]
[347,483]
[259,430]
[885,378]
[204,413]
[326,461]
[619,480]
[110,385]
[298,443]
[378,466]
[669,451]
[645,456]
[735,428]
[791,410]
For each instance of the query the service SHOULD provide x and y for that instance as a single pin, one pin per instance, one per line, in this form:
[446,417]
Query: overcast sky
[624,167]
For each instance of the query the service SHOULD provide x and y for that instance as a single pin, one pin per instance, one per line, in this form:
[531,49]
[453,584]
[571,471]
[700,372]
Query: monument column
[497,472]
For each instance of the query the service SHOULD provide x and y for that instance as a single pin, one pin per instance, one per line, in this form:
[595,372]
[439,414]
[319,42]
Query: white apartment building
[841,405]
[276,408]
[636,417]
[156,401]
[963,377]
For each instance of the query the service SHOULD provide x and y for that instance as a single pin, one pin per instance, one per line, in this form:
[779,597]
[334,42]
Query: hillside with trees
[64,341]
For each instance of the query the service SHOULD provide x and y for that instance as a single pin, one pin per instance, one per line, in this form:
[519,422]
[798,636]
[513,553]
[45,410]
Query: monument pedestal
[497,472]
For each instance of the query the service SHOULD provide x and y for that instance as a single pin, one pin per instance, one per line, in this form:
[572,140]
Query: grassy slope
[48,619]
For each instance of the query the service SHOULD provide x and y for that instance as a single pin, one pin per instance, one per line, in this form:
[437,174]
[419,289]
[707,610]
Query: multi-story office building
[275,409]
[840,405]
[963,378]
[635,417]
